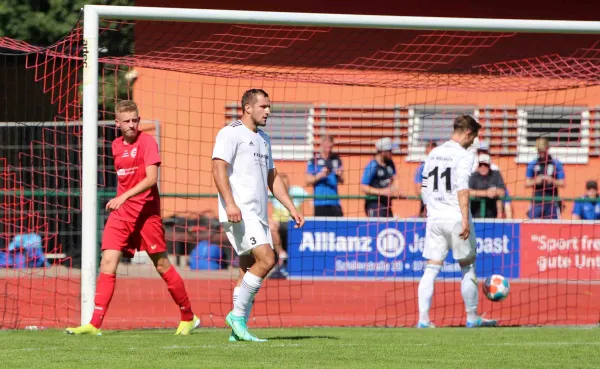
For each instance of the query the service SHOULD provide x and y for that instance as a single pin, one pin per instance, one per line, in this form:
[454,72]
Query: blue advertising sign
[366,248]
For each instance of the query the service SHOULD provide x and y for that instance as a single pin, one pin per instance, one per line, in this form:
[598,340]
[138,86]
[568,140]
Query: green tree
[44,22]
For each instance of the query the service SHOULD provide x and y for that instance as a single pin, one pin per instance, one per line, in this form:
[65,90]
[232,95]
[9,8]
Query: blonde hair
[126,106]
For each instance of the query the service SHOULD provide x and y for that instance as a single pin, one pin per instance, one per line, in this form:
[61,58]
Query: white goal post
[93,13]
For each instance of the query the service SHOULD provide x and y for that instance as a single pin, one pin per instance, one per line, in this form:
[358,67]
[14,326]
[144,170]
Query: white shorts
[247,234]
[442,236]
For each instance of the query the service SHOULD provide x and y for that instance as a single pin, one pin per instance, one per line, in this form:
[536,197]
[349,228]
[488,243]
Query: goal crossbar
[93,14]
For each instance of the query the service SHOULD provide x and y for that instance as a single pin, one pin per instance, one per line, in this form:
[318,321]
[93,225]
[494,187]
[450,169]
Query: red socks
[179,294]
[104,293]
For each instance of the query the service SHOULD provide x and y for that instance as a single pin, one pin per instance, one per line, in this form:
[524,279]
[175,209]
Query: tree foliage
[44,22]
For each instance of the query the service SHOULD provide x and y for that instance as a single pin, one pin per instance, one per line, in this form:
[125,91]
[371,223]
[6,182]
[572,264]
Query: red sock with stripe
[177,290]
[104,293]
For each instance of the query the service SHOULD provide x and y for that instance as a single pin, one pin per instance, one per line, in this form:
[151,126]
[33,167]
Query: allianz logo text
[389,242]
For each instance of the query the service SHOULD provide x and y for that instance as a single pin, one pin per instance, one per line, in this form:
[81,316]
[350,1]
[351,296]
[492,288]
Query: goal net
[349,82]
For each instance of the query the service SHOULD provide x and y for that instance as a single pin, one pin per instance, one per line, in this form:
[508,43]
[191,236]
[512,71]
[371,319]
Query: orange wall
[191,109]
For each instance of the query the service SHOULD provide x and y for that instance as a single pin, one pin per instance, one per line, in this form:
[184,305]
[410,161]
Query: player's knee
[109,262]
[161,262]
[267,260]
[466,262]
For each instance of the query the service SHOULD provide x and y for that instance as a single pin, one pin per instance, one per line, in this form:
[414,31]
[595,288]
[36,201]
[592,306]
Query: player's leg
[246,261]
[115,238]
[465,251]
[435,251]
[274,226]
[153,242]
[255,238]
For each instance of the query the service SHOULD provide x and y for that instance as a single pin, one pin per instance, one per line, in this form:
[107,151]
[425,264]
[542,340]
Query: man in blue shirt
[378,180]
[419,176]
[545,175]
[589,209]
[325,172]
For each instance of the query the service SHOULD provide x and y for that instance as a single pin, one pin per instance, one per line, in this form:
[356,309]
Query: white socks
[236,292]
[469,291]
[245,296]
[426,291]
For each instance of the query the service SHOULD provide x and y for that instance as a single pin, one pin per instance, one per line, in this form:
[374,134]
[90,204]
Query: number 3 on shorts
[253,241]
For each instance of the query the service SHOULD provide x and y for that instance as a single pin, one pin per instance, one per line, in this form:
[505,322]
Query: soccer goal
[353,78]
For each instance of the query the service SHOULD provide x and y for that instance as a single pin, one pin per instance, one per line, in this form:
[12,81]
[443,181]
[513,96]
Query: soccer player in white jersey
[445,192]
[244,171]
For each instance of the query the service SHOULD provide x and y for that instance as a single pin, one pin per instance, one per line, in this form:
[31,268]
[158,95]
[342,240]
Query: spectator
[325,172]
[545,175]
[419,176]
[488,187]
[590,208]
[484,148]
[278,222]
[379,180]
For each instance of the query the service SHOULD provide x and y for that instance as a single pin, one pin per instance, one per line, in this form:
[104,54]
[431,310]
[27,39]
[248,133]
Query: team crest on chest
[134,152]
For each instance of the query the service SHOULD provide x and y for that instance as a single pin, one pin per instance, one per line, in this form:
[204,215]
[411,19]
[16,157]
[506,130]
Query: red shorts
[147,234]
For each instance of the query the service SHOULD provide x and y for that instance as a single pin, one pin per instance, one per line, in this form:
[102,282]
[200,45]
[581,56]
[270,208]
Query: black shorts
[329,211]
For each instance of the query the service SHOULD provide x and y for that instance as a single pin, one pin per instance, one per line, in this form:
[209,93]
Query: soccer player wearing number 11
[445,193]
[243,169]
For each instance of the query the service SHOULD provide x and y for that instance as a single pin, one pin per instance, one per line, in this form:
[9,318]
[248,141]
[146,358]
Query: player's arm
[559,180]
[281,193]
[367,177]
[530,178]
[223,153]
[463,175]
[311,177]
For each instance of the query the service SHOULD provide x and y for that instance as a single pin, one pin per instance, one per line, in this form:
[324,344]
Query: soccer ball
[496,287]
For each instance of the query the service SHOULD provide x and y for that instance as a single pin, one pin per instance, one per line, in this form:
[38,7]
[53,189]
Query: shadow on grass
[296,338]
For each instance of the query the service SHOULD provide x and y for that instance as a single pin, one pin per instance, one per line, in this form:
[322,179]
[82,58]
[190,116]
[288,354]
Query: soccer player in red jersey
[135,222]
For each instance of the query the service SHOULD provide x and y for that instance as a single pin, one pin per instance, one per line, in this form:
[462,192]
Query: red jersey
[131,161]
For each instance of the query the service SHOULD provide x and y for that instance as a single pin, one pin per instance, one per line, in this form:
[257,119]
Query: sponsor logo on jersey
[126,171]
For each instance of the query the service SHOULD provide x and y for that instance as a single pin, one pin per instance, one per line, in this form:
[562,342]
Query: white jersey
[250,159]
[446,172]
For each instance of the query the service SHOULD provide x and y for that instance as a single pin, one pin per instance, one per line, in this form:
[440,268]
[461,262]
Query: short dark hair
[431,144]
[464,123]
[250,96]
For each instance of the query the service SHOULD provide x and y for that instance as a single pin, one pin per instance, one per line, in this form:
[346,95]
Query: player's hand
[234,214]
[323,173]
[540,179]
[115,203]
[466,230]
[298,218]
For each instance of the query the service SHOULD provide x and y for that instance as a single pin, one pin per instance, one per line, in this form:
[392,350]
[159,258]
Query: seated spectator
[419,177]
[379,179]
[545,174]
[484,148]
[590,208]
[278,222]
[488,187]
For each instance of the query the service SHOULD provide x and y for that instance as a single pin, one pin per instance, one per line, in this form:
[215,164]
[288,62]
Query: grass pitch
[308,348]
